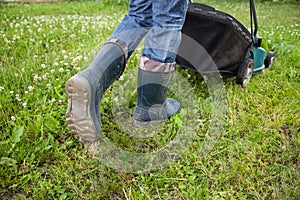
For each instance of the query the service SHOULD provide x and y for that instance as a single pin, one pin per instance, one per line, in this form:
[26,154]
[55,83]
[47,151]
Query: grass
[42,45]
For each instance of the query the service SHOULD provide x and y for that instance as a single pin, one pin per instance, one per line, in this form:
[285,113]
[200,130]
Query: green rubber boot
[153,106]
[85,90]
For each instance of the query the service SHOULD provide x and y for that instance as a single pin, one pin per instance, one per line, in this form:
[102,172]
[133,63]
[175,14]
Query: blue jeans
[159,21]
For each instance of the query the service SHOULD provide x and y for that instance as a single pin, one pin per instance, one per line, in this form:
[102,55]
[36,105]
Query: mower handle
[253,17]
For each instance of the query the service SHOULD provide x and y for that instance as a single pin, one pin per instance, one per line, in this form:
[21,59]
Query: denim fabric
[159,21]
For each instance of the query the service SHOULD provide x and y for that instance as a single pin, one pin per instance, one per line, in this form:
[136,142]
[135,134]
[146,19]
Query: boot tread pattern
[78,90]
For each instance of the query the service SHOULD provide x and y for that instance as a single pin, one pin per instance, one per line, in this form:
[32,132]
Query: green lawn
[255,157]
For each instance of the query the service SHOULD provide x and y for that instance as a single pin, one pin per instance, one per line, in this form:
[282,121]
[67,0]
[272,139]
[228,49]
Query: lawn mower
[214,41]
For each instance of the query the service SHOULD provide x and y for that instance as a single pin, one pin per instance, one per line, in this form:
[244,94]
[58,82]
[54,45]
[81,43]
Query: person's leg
[135,24]
[85,89]
[163,39]
[158,63]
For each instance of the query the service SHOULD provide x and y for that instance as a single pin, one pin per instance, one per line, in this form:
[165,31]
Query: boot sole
[138,123]
[78,115]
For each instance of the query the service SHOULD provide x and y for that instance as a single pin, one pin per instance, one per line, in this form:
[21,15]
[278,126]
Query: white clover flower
[121,78]
[11,92]
[30,88]
[13,118]
[35,77]
[26,92]
[61,69]
[74,60]
[45,77]
[63,51]
[24,104]
[43,65]
[1,88]
[55,64]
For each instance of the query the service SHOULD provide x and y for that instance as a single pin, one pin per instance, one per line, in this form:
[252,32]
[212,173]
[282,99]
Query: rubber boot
[85,90]
[153,106]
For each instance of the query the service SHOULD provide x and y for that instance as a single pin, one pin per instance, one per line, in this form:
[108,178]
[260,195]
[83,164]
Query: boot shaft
[153,80]
[153,106]
[108,64]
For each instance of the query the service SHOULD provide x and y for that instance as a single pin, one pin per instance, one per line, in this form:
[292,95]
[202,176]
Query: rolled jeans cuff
[150,65]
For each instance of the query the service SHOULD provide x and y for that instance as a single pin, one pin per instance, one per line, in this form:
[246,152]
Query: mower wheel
[245,72]
[270,59]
